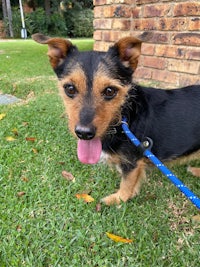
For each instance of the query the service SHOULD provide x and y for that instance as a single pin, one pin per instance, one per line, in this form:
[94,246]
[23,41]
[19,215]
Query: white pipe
[22,14]
[23,30]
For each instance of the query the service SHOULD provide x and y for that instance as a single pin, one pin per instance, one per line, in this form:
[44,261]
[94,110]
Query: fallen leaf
[98,207]
[19,228]
[87,198]
[24,179]
[25,123]
[117,238]
[196,218]
[68,176]
[35,151]
[61,162]
[20,194]
[32,139]
[2,115]
[15,131]
[10,138]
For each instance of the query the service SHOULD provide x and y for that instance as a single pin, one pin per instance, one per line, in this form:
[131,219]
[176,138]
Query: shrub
[37,21]
[83,23]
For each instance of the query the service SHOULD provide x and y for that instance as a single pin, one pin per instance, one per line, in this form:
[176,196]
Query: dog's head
[94,87]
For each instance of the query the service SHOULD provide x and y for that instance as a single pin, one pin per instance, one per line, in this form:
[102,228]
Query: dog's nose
[85,132]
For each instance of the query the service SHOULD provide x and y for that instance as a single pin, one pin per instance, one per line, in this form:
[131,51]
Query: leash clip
[147,143]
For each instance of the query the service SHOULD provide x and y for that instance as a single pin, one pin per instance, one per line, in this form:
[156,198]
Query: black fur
[171,118]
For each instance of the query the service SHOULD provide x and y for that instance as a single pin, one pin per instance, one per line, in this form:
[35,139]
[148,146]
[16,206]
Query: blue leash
[189,194]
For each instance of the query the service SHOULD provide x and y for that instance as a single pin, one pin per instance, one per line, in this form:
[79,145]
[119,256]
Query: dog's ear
[129,49]
[57,48]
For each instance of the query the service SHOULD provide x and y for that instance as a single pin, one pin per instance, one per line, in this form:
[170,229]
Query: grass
[42,223]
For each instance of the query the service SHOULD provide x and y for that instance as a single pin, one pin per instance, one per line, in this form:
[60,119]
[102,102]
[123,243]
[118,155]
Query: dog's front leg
[129,186]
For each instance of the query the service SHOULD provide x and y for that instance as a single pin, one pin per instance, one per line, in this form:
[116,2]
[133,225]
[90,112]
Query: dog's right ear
[57,48]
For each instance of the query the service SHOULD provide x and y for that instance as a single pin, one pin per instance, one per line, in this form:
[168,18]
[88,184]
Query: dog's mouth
[89,151]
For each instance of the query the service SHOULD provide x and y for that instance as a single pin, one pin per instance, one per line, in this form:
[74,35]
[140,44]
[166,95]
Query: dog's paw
[116,198]
[194,171]
[113,199]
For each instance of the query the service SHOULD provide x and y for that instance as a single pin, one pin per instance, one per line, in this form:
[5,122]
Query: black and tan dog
[97,90]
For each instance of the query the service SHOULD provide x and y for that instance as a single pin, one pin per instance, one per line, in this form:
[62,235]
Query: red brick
[169,51]
[154,62]
[136,12]
[140,2]
[194,24]
[148,49]
[156,10]
[121,24]
[102,24]
[122,11]
[143,73]
[119,11]
[188,79]
[98,11]
[111,36]
[97,35]
[172,24]
[187,9]
[186,39]
[128,2]
[144,24]
[165,76]
[108,11]
[101,46]
[159,38]
[99,2]
[193,53]
[185,66]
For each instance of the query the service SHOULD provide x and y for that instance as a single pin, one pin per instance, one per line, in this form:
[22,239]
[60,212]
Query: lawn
[42,223]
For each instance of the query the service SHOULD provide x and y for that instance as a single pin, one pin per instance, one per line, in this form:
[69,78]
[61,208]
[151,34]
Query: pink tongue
[89,151]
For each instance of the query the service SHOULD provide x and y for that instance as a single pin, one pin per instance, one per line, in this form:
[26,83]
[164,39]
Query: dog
[98,90]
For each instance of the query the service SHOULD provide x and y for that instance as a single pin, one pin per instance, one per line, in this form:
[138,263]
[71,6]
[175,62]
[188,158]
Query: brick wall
[171,58]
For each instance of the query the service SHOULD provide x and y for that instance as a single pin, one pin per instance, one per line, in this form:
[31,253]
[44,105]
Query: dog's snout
[85,132]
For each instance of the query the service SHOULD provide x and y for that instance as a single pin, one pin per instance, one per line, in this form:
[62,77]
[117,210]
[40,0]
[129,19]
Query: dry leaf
[68,176]
[98,207]
[25,123]
[32,139]
[87,198]
[196,218]
[20,194]
[15,131]
[19,228]
[35,151]
[10,138]
[117,238]
[2,115]
[24,179]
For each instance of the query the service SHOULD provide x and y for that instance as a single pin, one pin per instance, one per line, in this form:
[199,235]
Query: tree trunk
[5,15]
[47,6]
[9,14]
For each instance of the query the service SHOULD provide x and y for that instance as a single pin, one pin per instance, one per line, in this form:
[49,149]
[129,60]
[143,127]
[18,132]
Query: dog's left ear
[129,49]
[58,48]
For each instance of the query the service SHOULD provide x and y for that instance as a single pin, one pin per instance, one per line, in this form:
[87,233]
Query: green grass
[48,226]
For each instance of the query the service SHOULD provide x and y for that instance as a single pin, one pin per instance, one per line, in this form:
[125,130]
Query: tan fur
[73,106]
[129,186]
[104,111]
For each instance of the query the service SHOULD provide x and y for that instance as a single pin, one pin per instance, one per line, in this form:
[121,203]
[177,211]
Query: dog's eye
[109,93]
[70,90]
